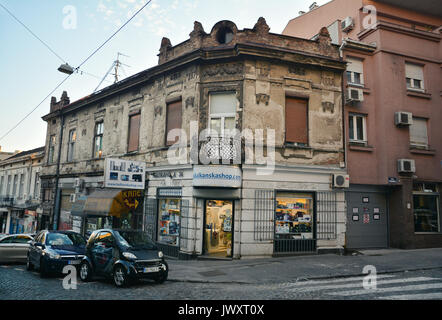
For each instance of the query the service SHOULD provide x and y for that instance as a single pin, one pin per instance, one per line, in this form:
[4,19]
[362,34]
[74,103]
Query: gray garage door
[367,220]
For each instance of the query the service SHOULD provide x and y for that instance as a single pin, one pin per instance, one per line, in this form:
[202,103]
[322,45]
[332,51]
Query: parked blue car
[51,251]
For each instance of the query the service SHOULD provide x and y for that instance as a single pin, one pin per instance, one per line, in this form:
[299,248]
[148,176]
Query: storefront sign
[217,176]
[168,174]
[169,192]
[124,174]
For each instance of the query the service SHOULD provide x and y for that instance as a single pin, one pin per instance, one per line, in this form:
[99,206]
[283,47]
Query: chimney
[313,6]
[301,13]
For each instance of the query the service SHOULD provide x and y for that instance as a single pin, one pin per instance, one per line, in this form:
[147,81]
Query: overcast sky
[29,70]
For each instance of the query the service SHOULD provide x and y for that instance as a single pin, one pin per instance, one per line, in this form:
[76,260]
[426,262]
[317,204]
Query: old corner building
[116,140]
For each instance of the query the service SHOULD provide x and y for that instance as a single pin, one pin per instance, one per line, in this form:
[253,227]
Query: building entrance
[218,229]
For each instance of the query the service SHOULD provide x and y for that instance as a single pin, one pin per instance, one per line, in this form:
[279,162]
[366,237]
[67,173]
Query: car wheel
[85,272]
[43,269]
[120,276]
[162,277]
[29,265]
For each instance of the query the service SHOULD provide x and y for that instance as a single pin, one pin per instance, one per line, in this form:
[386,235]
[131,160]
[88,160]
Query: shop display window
[426,213]
[169,221]
[294,216]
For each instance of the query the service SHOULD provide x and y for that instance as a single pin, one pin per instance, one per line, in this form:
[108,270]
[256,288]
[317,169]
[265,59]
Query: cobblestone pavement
[18,284]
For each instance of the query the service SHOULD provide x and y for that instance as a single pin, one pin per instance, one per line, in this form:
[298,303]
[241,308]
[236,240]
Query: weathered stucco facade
[262,70]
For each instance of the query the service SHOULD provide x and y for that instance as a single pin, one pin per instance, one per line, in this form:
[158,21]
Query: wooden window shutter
[296,120]
[134,132]
[174,119]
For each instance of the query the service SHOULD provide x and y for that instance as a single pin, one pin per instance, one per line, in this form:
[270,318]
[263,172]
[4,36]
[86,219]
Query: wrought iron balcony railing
[222,150]
[6,201]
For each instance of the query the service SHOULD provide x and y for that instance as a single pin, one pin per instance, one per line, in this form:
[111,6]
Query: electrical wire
[58,86]
[76,69]
[30,31]
[43,42]
[113,35]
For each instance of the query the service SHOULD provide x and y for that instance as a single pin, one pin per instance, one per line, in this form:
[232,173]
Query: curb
[302,279]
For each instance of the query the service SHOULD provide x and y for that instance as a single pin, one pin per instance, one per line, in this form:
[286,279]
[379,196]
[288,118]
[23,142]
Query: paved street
[17,283]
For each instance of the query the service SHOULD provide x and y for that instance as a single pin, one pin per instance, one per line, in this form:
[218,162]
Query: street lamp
[66,68]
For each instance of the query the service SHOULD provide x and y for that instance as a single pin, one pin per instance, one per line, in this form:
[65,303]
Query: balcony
[6,201]
[18,202]
[220,150]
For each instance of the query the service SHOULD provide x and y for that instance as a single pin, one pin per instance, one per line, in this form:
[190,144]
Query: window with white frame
[21,186]
[222,112]
[357,128]
[355,71]
[2,180]
[15,185]
[414,75]
[98,140]
[51,149]
[419,133]
[71,144]
[37,185]
[8,190]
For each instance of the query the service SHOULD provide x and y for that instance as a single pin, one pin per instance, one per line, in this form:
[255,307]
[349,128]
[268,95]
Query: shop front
[109,208]
[190,211]
[168,220]
[218,228]
[295,222]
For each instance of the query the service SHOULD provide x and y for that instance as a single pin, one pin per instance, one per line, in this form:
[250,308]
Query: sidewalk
[283,269]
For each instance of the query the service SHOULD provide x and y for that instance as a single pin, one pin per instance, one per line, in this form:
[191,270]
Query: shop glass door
[218,228]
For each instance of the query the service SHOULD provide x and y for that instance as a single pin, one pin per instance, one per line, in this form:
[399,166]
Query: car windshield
[65,239]
[135,239]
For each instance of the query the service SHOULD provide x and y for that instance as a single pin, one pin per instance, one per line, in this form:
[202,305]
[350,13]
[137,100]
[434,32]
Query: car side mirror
[38,244]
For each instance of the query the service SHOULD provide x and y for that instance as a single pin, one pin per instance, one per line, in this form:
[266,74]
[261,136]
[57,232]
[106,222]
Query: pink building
[393,112]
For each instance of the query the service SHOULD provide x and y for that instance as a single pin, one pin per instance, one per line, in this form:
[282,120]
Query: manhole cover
[213,273]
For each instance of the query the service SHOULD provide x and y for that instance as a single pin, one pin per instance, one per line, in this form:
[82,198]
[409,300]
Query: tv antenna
[116,66]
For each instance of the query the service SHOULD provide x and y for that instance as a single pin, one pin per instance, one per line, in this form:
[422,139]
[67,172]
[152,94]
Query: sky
[73,29]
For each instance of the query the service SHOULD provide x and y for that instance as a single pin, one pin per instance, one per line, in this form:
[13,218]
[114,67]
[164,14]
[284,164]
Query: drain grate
[212,273]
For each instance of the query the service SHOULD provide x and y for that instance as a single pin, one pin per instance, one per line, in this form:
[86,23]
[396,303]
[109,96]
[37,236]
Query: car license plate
[153,269]
[74,262]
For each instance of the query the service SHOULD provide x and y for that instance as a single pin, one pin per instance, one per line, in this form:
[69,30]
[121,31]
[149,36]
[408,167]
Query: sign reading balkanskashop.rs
[217,176]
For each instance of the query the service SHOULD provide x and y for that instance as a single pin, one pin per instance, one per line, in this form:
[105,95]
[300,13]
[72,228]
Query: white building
[20,191]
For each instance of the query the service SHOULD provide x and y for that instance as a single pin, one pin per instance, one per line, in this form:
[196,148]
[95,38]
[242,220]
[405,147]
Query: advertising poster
[124,174]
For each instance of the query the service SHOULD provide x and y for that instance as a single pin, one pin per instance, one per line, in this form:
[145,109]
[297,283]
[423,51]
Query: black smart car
[52,250]
[124,256]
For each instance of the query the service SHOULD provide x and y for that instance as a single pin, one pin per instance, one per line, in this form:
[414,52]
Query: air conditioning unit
[403,118]
[78,183]
[347,24]
[406,166]
[341,181]
[72,198]
[355,94]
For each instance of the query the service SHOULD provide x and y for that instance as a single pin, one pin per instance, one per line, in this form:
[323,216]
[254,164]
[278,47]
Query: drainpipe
[57,178]
[344,43]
